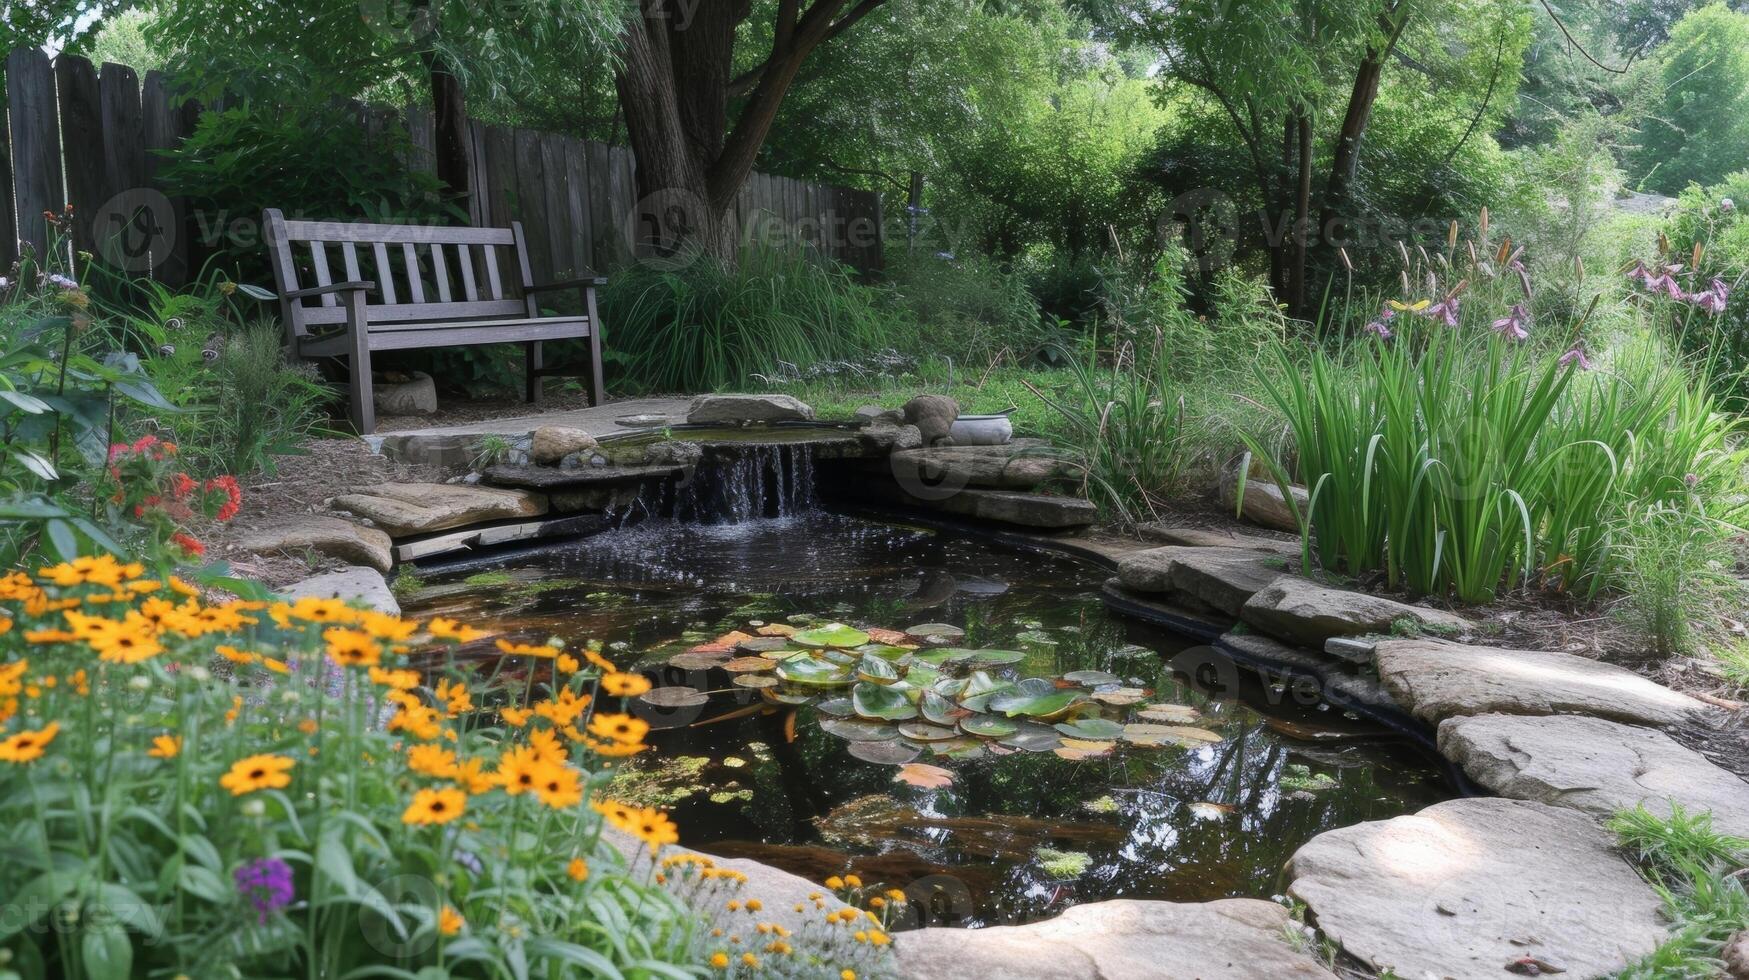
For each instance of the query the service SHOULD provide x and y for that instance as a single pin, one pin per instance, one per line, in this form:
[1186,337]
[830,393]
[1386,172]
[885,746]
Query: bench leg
[363,407]
[597,387]
[531,368]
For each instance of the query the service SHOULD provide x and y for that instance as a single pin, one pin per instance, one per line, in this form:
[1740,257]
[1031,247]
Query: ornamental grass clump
[1461,447]
[304,788]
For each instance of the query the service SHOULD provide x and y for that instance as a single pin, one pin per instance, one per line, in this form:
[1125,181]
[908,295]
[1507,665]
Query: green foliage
[310,160]
[709,325]
[1671,573]
[1698,873]
[974,311]
[1699,129]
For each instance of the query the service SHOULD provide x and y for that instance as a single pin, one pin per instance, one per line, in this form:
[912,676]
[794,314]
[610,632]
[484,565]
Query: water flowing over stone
[735,486]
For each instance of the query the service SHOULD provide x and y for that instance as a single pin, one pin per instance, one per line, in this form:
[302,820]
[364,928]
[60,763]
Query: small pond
[1014,836]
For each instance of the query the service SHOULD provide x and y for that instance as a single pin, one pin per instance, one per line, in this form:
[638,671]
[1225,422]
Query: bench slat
[461,334]
[319,261]
[431,312]
[494,287]
[385,274]
[466,263]
[440,273]
[415,285]
[364,232]
[349,260]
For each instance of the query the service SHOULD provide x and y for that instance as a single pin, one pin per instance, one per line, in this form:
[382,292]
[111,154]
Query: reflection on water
[1015,836]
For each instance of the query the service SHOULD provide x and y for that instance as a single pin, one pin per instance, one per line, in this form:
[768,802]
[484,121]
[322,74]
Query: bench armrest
[339,287]
[548,287]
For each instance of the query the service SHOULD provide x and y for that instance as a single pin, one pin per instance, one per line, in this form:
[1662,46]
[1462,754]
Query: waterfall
[734,484]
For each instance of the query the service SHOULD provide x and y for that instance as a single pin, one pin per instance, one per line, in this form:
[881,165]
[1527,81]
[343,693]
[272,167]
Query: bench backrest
[422,272]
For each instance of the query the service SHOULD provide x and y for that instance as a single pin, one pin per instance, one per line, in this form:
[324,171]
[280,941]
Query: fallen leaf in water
[1121,696]
[1210,811]
[1077,749]
[1169,714]
[924,776]
[733,637]
[776,629]
[789,726]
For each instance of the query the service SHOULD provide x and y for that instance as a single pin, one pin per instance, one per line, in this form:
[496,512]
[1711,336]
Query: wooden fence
[75,134]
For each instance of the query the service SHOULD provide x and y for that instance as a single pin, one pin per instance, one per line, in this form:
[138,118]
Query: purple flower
[1639,274]
[1712,300]
[267,884]
[1726,204]
[59,281]
[1378,327]
[1576,356]
[1445,311]
[1511,326]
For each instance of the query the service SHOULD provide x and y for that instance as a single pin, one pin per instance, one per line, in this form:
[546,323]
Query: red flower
[181,485]
[233,496]
[189,546]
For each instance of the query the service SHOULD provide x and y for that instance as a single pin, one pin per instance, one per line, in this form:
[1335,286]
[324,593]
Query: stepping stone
[1301,611]
[326,535]
[1219,578]
[1008,467]
[1232,939]
[357,583]
[1203,537]
[1435,681]
[736,409]
[1463,888]
[406,509]
[1592,765]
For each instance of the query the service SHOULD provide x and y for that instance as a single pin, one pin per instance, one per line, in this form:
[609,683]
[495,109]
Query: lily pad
[1035,697]
[941,655]
[674,697]
[890,753]
[924,776]
[1093,728]
[995,658]
[763,644]
[884,651]
[698,661]
[1077,749]
[961,748]
[836,707]
[884,702]
[988,726]
[1092,678]
[1169,714]
[922,731]
[812,672]
[754,680]
[831,635]
[1120,697]
[746,665]
[935,634]
[876,670]
[1156,735]
[857,730]
[940,710]
[787,697]
[1034,738]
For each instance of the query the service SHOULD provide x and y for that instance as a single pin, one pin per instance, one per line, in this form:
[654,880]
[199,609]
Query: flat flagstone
[356,583]
[1463,889]
[1015,466]
[733,409]
[1435,681]
[1301,611]
[406,509]
[1592,765]
[1232,939]
[1222,579]
[323,534]
[1204,537]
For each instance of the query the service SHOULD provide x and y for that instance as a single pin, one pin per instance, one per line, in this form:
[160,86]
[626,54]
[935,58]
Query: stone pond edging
[1465,888]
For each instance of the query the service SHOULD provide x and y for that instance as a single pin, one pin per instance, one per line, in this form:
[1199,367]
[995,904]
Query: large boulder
[1479,889]
[739,409]
[406,509]
[324,535]
[1219,578]
[933,415]
[1435,681]
[357,583]
[1301,611]
[1232,939]
[549,444]
[1264,505]
[1592,765]
[1736,957]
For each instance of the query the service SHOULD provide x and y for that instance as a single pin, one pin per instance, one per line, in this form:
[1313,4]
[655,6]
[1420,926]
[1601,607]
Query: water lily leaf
[890,638]
[831,635]
[884,702]
[1210,811]
[884,651]
[876,670]
[948,687]
[844,657]
[813,672]
[776,629]
[924,776]
[922,731]
[988,726]
[1034,738]
[836,707]
[940,655]
[1120,697]
[935,634]
[784,654]
[857,730]
[1155,735]
[763,644]
[892,753]
[995,658]
[1092,678]
[959,749]
[745,665]
[1093,728]
[918,675]
[982,683]
[698,661]
[1035,697]
[1169,714]
[732,639]
[674,697]
[787,697]
[754,680]
[1076,749]
[939,709]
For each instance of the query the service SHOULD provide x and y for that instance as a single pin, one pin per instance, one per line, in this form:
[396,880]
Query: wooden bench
[433,287]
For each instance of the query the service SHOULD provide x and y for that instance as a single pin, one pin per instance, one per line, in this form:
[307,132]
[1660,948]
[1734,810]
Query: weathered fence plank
[81,143]
[8,219]
[123,222]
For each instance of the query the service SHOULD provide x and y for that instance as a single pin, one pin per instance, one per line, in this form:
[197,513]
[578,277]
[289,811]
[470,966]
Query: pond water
[1015,836]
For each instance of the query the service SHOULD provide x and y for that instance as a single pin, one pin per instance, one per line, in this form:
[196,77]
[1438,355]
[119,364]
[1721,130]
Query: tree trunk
[1345,158]
[1302,233]
[449,115]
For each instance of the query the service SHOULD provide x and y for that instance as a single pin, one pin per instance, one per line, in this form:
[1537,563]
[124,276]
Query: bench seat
[461,333]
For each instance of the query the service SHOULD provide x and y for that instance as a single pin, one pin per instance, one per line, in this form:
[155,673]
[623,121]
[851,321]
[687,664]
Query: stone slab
[407,509]
[1231,939]
[354,583]
[324,534]
[573,478]
[1301,611]
[1221,578]
[733,409]
[1465,888]
[454,445]
[1206,537]
[1015,466]
[1595,766]
[1435,681]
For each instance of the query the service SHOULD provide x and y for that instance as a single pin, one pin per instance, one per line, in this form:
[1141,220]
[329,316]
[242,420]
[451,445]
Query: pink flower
[1511,326]
[1445,311]
[1378,328]
[1712,300]
[1576,356]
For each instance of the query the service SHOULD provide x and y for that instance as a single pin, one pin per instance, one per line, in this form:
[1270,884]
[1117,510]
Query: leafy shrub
[1712,218]
[1696,130]
[1671,574]
[710,325]
[1154,301]
[251,405]
[973,310]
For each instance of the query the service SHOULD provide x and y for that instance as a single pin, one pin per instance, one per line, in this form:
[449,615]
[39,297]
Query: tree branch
[1623,70]
[745,82]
